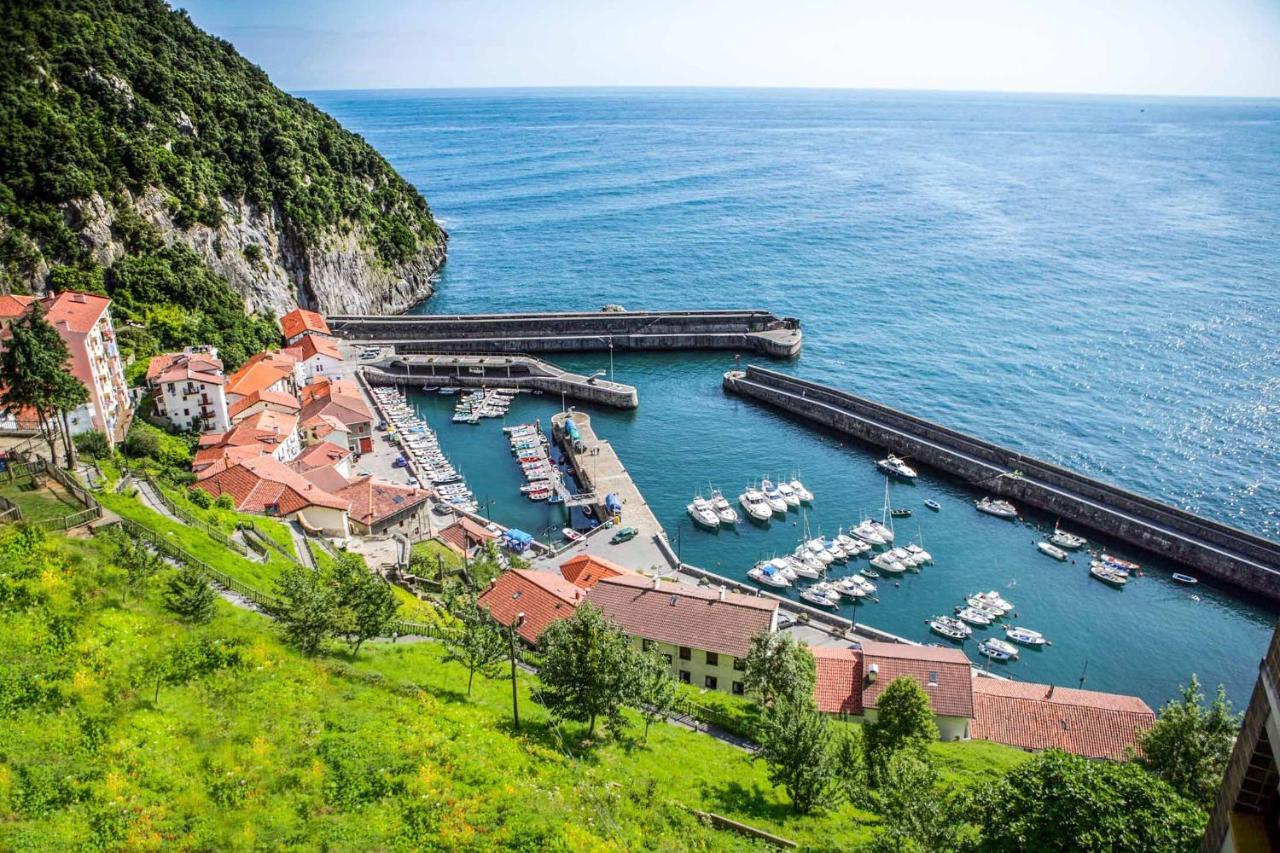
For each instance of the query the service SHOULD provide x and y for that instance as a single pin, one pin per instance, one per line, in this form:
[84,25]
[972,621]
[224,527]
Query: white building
[189,389]
[84,322]
[318,356]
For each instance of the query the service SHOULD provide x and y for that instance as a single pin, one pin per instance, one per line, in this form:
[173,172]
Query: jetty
[601,473]
[747,331]
[1218,550]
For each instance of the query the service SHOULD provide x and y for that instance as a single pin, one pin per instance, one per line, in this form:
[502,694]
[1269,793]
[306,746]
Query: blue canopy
[612,503]
[572,429]
[520,536]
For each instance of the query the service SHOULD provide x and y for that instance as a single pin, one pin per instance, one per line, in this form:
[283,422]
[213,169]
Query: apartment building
[189,389]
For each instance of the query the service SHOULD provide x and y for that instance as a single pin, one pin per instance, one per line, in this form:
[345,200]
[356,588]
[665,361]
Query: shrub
[201,498]
[93,444]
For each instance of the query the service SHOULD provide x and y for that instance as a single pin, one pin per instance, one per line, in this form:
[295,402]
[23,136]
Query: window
[685,654]
[645,645]
[170,387]
[739,664]
[186,412]
[709,682]
[684,676]
[933,679]
[713,659]
[737,688]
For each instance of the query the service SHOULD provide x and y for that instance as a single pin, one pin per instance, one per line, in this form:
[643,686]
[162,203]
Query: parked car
[626,534]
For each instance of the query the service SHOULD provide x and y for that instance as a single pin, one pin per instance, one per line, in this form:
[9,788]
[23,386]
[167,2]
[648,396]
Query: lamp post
[515,695]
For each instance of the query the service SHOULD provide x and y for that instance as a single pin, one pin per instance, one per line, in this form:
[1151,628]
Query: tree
[851,768]
[655,688]
[189,595]
[34,363]
[1190,744]
[916,815]
[477,642]
[1058,801]
[589,669]
[139,562]
[904,721]
[365,604]
[779,666]
[307,608]
[796,743]
[189,660]
[93,444]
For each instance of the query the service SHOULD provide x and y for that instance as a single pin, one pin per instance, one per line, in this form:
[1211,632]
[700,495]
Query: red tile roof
[337,398]
[260,372]
[542,597]
[684,615]
[1040,716]
[310,345]
[320,455]
[838,687]
[183,366]
[300,320]
[283,399]
[258,434]
[258,483]
[14,305]
[321,425]
[586,570]
[373,499]
[78,312]
[951,692]
[464,533]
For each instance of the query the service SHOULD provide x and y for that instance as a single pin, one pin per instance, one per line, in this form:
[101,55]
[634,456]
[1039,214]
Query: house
[13,306]
[704,633]
[321,428]
[189,390]
[1043,716]
[586,570]
[266,485]
[533,599]
[850,680]
[266,371]
[84,323]
[264,401]
[340,399]
[299,322]
[379,506]
[262,434]
[466,537]
[324,455]
[318,356]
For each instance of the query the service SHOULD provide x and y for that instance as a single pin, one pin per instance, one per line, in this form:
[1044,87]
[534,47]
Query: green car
[626,534]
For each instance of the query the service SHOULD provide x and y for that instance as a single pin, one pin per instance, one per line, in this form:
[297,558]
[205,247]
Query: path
[305,557]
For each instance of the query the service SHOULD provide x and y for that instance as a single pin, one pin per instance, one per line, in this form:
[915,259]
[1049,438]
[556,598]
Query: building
[318,356]
[703,632]
[340,399]
[586,570]
[189,390]
[13,306]
[264,401]
[299,322]
[325,428]
[1246,814]
[266,485]
[1043,716]
[466,538]
[262,434]
[324,455]
[381,507]
[532,599]
[266,371]
[84,323]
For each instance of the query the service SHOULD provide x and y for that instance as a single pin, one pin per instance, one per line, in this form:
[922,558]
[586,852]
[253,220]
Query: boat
[572,535]
[900,512]
[756,507]
[1187,579]
[885,563]
[818,548]
[902,555]
[1108,575]
[886,535]
[1119,563]
[1001,645]
[973,616]
[993,599]
[850,588]
[1025,636]
[702,513]
[952,629]
[821,594]
[922,556]
[984,607]
[766,574]
[998,508]
[897,467]
[860,579]
[1051,550]
[804,566]
[852,547]
[1070,541]
[932,504]
[870,573]
[788,494]
[723,509]
[987,647]
[867,532]
[804,494]
[773,497]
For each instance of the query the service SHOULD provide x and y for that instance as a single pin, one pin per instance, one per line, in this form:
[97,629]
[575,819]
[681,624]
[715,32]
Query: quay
[1220,551]
[749,330]
[509,371]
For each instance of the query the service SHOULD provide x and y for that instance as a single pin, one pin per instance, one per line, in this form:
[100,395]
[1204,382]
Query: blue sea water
[1095,281]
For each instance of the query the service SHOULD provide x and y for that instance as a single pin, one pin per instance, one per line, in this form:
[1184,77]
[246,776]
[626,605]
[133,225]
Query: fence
[188,518]
[91,512]
[9,511]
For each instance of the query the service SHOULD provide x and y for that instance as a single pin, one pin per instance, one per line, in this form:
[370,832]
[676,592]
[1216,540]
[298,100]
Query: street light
[609,341]
[515,696]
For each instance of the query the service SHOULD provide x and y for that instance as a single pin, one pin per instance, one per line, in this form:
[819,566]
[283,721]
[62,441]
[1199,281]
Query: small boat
[1052,550]
[996,652]
[952,629]
[1120,564]
[572,535]
[773,497]
[900,513]
[933,505]
[1108,575]
[869,573]
[867,531]
[702,513]
[1187,579]
[1025,636]
[849,588]
[922,556]
[789,494]
[447,392]
[1008,648]
[998,508]
[902,555]
[821,594]
[993,599]
[756,507]
[804,566]
[766,574]
[723,509]
[984,607]
[886,563]
[897,467]
[973,616]
[804,494]
[1070,541]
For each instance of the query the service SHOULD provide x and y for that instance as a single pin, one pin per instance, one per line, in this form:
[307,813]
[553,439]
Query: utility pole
[515,695]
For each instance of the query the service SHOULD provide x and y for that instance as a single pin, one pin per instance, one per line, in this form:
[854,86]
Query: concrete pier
[1218,550]
[752,331]
[491,371]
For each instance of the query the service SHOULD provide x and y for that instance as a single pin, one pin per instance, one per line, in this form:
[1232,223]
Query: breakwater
[749,330]
[1218,550]
[507,371]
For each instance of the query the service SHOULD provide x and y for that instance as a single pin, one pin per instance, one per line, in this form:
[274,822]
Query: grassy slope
[39,504]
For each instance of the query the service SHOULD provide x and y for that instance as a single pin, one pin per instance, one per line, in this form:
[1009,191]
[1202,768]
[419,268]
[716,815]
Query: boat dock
[1220,551]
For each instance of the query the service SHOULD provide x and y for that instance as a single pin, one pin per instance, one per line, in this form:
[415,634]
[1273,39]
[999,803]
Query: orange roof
[210,460]
[260,372]
[586,570]
[321,425]
[183,366]
[14,305]
[310,345]
[372,499]
[1040,716]
[320,455]
[280,398]
[464,533]
[262,482]
[261,433]
[945,674]
[337,398]
[301,320]
[542,597]
[838,686]
[77,312]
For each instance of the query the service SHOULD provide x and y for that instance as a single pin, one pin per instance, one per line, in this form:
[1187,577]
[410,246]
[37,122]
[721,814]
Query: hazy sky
[1176,47]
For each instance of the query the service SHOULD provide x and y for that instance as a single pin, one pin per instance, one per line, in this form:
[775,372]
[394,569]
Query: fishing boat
[973,616]
[723,509]
[868,532]
[996,507]
[932,504]
[804,494]
[1051,550]
[766,574]
[952,629]
[702,513]
[821,594]
[1187,579]
[900,512]
[897,467]
[788,494]
[756,507]
[773,497]
[1025,636]
[1108,575]
[572,535]
[1119,563]
[998,650]
[1070,541]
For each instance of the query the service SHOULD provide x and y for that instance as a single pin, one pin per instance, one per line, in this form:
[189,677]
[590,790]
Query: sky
[1157,47]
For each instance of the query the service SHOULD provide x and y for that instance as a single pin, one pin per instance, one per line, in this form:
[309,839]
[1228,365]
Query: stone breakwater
[1218,550]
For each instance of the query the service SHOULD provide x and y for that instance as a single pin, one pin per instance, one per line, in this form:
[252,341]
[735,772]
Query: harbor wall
[506,371]
[746,330]
[1218,550]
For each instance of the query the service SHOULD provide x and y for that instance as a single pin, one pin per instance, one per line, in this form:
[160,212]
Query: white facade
[320,366]
[191,404]
[702,669]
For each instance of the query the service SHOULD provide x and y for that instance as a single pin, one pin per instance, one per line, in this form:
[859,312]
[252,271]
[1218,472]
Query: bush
[224,501]
[201,498]
[93,444]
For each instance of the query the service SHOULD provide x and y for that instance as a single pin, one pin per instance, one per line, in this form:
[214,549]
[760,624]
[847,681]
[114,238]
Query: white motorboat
[789,494]
[805,567]
[984,607]
[922,556]
[861,581]
[885,563]
[756,507]
[804,494]
[952,629]
[766,574]
[1025,636]
[993,598]
[852,547]
[1070,541]
[802,555]
[837,550]
[818,549]
[849,589]
[773,497]
[897,467]
[973,616]
[902,555]
[867,532]
[1117,563]
[1109,574]
[723,509]
[885,533]
[571,534]
[702,513]
[1052,551]
[998,649]
[821,594]
[998,508]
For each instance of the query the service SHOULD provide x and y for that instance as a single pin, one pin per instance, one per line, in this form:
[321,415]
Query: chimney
[1049,695]
[873,672]
[493,582]
[656,581]
[721,596]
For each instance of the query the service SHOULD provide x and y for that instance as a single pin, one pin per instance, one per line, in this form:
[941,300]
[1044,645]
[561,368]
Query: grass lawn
[39,504]
[432,550]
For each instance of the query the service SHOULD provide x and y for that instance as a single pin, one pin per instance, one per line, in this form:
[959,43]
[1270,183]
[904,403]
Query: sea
[1091,280]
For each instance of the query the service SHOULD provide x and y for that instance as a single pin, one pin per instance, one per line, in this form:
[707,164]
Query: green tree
[37,375]
[139,562]
[655,688]
[365,606]
[1190,744]
[904,721]
[851,768]
[796,744]
[189,595]
[589,669]
[200,497]
[778,666]
[93,444]
[918,818]
[1058,801]
[477,642]
[189,660]
[307,609]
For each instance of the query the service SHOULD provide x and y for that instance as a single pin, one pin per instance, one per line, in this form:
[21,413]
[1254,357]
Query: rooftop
[265,482]
[300,320]
[184,366]
[261,372]
[945,674]
[77,312]
[838,688]
[374,499]
[586,570]
[542,597]
[283,399]
[310,345]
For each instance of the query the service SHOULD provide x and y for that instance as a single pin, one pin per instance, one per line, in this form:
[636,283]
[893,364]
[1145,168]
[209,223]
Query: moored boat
[571,534]
[1070,541]
[766,574]
[804,494]
[1025,636]
[1119,563]
[822,595]
[933,505]
[1108,575]
[885,563]
[998,508]
[773,497]
[952,629]
[973,616]
[788,494]
[1187,579]
[998,650]
[1051,550]
[723,509]
[702,513]
[866,531]
[896,466]
[994,599]
[756,507]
